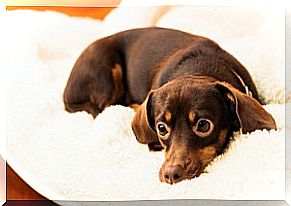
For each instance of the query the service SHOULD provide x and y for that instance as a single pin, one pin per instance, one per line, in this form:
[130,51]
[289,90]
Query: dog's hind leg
[95,81]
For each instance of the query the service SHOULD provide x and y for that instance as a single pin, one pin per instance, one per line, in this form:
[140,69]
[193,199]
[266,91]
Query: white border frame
[129,3]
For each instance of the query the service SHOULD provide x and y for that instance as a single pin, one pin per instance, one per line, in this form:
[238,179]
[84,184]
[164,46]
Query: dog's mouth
[188,172]
[195,172]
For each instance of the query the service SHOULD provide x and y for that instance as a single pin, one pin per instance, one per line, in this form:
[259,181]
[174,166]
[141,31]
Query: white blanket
[73,157]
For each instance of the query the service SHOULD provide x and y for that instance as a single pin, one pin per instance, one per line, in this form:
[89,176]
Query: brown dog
[193,94]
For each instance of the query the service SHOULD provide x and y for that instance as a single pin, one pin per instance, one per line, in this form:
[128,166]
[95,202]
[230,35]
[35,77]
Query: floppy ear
[247,112]
[143,122]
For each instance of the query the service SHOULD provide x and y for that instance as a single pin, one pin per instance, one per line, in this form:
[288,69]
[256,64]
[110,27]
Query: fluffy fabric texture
[74,157]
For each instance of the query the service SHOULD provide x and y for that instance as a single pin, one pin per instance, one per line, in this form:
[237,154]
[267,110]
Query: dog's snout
[173,174]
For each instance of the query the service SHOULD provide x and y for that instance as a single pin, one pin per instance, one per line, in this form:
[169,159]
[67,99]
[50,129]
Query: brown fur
[185,86]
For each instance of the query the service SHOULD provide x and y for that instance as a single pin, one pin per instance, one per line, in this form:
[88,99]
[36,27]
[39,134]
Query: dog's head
[193,119]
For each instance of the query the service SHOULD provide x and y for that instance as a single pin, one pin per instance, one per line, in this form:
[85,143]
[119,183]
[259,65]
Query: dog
[189,94]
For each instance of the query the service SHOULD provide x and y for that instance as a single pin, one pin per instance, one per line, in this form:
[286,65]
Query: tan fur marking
[192,116]
[207,154]
[222,136]
[117,79]
[209,150]
[168,116]
[134,106]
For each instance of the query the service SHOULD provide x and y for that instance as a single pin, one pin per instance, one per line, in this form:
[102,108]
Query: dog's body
[193,94]
[148,59]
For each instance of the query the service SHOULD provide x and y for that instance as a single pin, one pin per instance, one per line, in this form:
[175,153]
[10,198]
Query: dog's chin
[192,171]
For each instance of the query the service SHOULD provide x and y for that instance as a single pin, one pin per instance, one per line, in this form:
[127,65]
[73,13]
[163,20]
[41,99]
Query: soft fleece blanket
[74,157]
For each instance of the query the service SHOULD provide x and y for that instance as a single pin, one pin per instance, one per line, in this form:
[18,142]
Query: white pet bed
[73,157]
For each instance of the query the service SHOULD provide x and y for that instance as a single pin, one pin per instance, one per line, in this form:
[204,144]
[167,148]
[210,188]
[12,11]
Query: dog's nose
[173,174]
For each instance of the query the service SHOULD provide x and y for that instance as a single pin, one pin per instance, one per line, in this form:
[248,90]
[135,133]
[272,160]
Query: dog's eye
[162,129]
[203,127]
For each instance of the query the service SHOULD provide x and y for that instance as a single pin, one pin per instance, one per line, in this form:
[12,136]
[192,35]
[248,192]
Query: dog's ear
[143,122]
[247,113]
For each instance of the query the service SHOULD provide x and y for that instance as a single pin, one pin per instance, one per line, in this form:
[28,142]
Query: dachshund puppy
[192,95]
